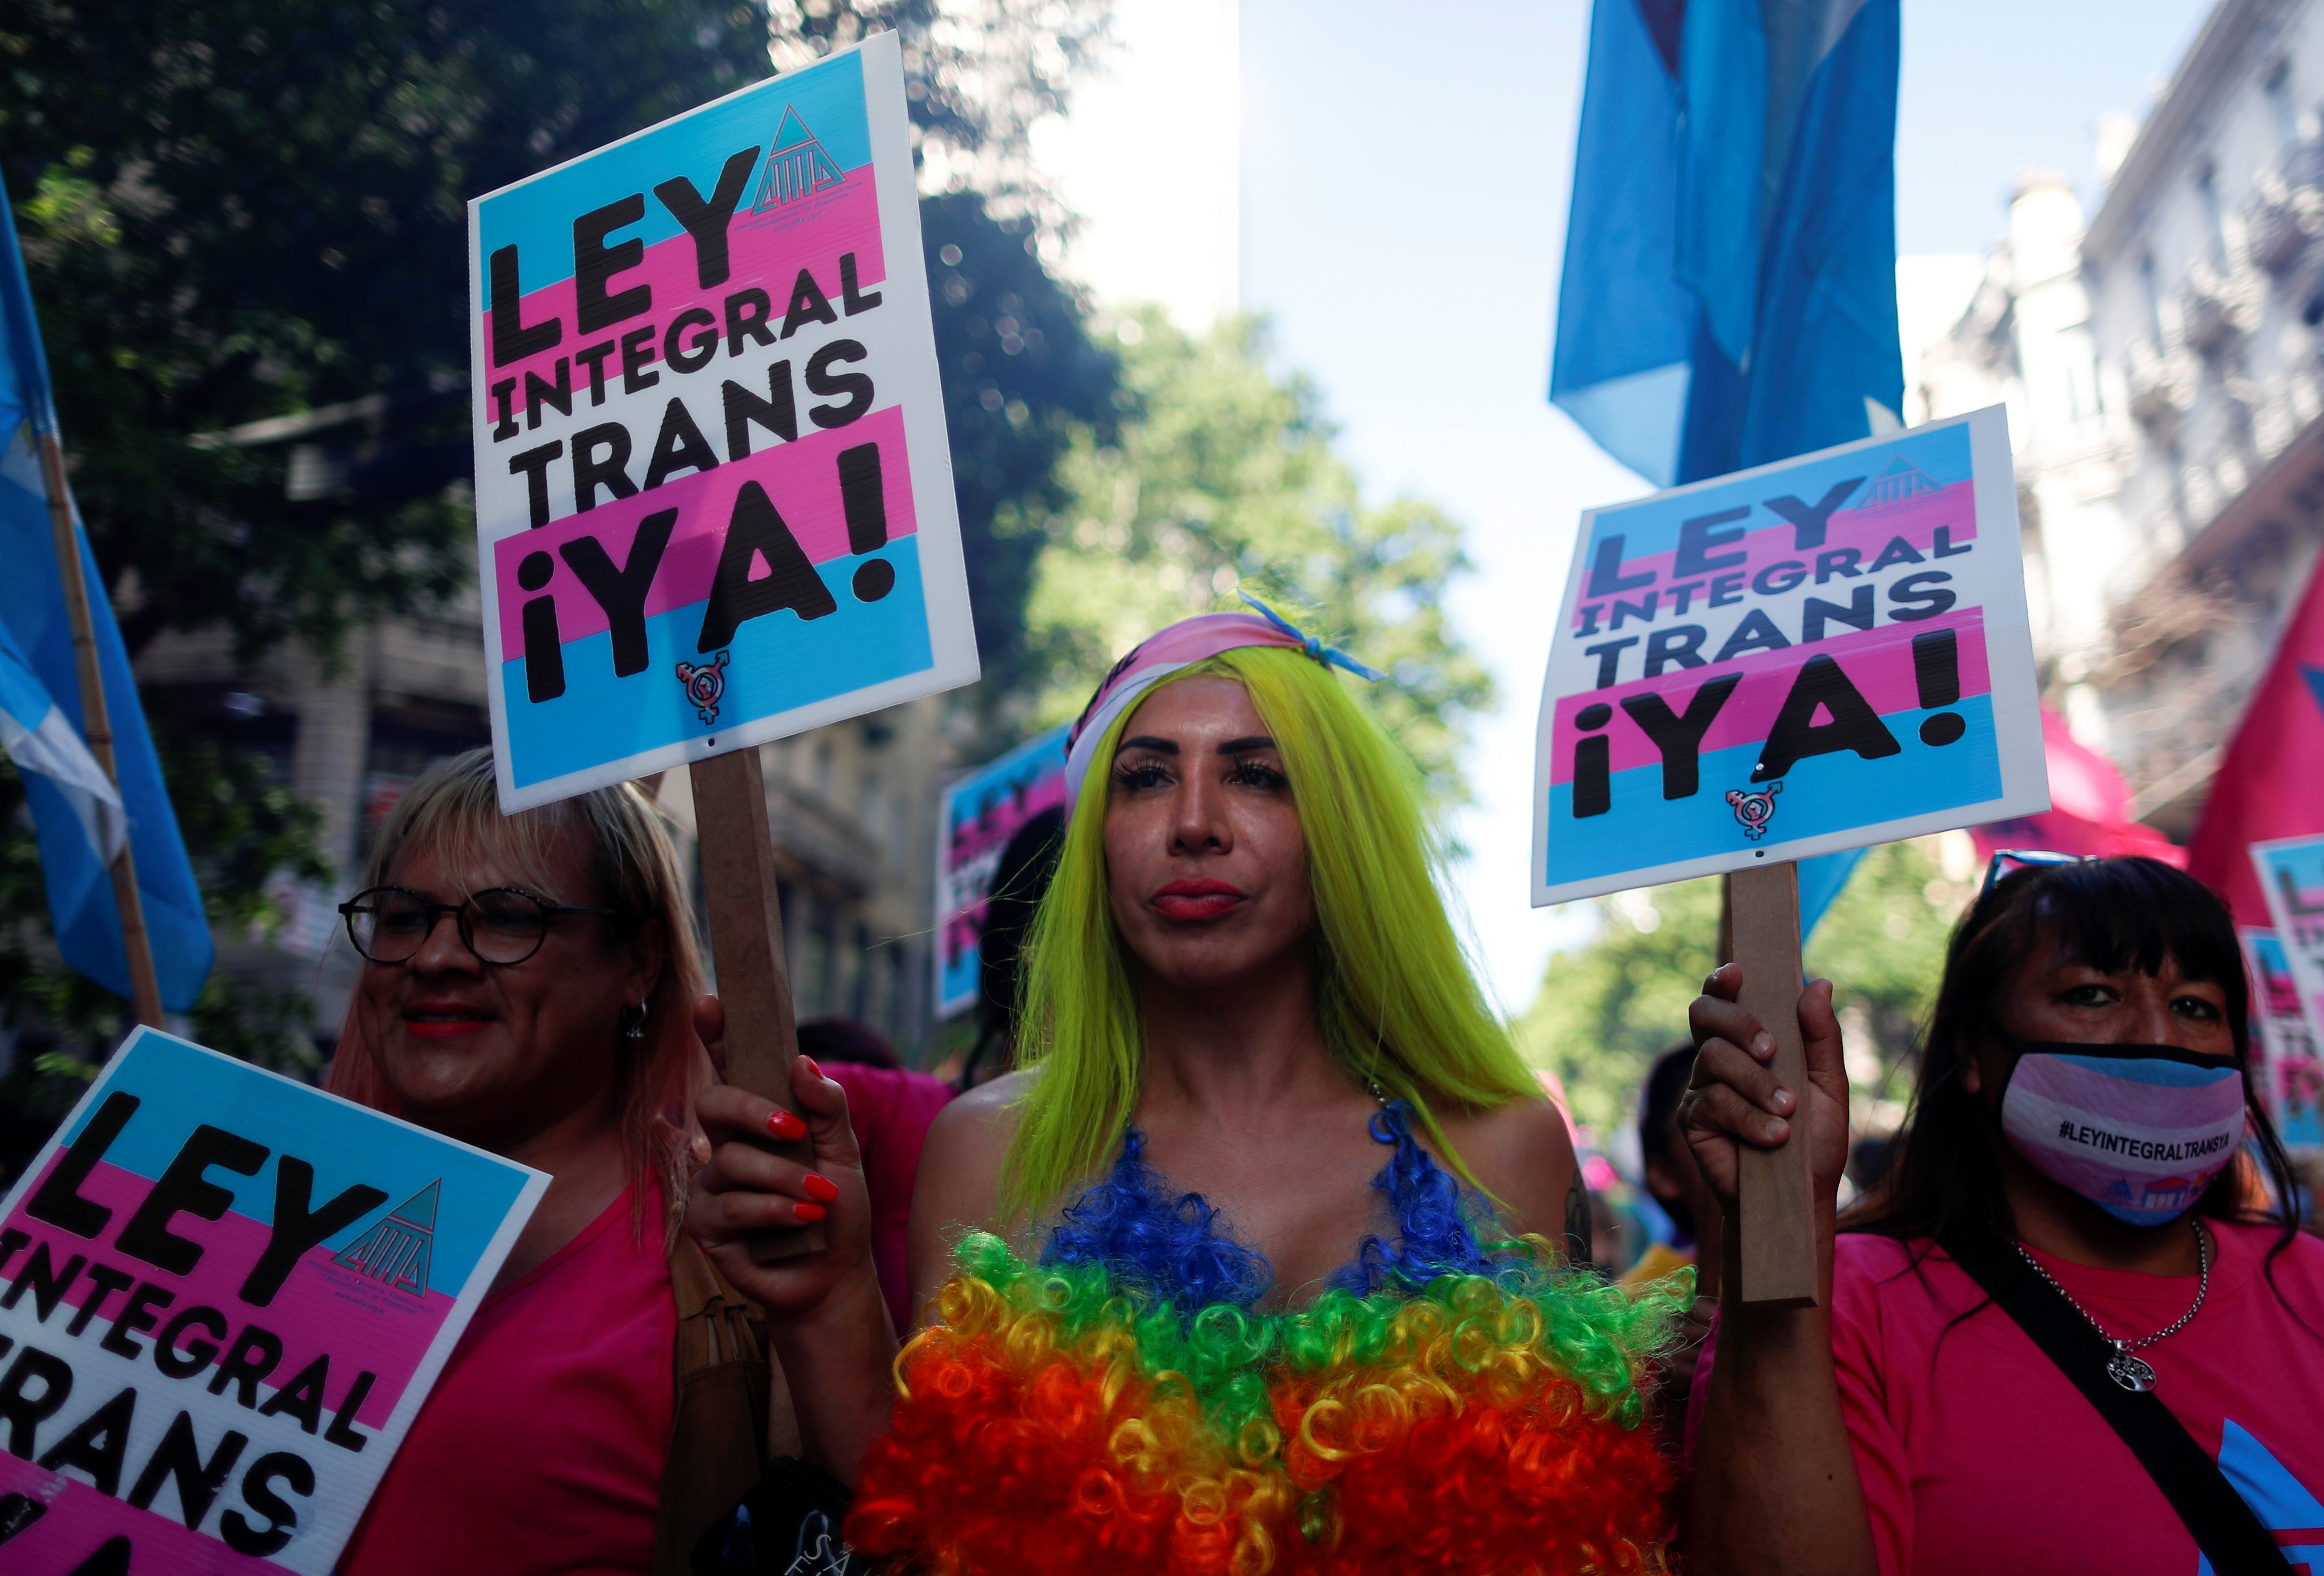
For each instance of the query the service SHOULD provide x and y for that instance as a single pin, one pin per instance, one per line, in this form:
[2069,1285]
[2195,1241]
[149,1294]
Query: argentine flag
[80,820]
[35,735]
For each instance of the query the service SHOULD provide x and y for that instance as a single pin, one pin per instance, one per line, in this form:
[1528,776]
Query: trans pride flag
[1729,296]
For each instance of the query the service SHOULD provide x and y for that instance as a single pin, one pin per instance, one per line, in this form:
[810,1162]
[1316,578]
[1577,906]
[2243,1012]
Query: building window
[2153,287]
[2277,87]
[2215,219]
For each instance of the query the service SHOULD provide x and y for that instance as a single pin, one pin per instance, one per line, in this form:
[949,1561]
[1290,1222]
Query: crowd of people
[1247,1243]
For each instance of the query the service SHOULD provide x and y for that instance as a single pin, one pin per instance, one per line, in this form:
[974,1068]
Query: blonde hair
[456,807]
[1397,1000]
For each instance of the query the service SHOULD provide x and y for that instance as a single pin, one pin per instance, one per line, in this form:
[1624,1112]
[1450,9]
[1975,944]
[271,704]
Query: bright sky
[1401,219]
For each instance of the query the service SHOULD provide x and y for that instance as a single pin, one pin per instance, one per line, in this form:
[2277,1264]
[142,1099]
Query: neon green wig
[1397,1000]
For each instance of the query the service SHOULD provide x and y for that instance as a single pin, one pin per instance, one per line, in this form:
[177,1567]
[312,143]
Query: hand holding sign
[714,494]
[1815,656]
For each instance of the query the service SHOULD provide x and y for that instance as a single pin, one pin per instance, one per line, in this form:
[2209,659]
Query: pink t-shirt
[889,1110]
[541,1449]
[1978,1456]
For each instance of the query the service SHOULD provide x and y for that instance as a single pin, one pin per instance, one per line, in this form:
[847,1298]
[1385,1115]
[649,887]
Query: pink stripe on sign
[78,1520]
[1878,662]
[765,251]
[801,479]
[1863,535]
[323,1306]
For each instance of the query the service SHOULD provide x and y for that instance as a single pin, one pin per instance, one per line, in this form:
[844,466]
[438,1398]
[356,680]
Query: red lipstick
[1204,899]
[438,1020]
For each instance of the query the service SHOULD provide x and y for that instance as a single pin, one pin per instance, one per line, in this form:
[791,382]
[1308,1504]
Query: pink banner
[313,1301]
[74,1521]
[1878,662]
[801,478]
[833,222]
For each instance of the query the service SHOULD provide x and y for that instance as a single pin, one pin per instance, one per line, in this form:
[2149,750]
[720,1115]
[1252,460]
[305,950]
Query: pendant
[2132,1373]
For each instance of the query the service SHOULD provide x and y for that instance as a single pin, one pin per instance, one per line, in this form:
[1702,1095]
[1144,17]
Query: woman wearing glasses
[529,988]
[2076,1327]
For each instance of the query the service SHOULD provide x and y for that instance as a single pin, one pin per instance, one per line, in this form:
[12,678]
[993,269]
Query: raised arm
[1772,1487]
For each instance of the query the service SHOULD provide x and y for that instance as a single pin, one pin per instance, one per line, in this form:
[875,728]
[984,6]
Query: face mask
[2138,1130]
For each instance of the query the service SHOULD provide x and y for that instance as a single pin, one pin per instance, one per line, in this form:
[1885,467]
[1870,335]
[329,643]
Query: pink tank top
[541,1449]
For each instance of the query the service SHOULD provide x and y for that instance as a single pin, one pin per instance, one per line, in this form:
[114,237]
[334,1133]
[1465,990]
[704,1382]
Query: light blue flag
[1729,296]
[39,633]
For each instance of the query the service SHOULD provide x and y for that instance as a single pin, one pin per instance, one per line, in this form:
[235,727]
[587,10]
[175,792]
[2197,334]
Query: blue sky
[1404,171]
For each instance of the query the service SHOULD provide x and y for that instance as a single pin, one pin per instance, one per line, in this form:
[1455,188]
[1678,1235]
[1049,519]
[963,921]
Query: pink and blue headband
[1184,643]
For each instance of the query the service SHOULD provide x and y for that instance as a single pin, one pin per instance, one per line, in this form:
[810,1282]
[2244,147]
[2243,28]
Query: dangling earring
[635,1029]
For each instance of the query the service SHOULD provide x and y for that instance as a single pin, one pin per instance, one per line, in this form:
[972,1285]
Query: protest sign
[982,811]
[1820,654]
[2285,1067]
[714,494]
[2290,871]
[227,1295]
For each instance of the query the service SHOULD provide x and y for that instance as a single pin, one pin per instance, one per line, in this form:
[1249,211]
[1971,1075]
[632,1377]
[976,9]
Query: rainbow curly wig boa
[1125,1405]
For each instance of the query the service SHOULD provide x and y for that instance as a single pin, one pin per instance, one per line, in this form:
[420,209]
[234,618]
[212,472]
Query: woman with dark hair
[2075,1327]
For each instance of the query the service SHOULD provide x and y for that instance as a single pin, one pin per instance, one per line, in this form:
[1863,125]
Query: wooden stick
[97,727]
[1778,1230]
[746,938]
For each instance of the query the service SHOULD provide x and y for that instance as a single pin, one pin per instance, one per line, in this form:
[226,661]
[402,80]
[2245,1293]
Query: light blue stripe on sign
[537,218]
[179,1088]
[1821,794]
[2152,1070]
[777,662]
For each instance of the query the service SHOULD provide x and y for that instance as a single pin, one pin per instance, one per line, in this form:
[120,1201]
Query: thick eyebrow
[1245,746]
[1148,742]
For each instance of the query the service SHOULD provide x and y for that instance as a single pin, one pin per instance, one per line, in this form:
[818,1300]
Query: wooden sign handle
[746,938]
[1778,1229]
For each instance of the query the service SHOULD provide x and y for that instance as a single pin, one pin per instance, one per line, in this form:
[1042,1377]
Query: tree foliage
[238,210]
[1222,478]
[1606,1010]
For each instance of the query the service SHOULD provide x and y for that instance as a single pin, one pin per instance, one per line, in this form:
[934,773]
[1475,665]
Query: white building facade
[2161,370]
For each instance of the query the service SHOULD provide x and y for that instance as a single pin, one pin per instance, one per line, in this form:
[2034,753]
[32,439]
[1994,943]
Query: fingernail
[813,1070]
[1763,1044]
[807,1215]
[820,1188]
[1777,1129]
[1783,1099]
[784,1125]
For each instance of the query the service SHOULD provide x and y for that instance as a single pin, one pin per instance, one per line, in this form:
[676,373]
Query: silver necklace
[2126,1367]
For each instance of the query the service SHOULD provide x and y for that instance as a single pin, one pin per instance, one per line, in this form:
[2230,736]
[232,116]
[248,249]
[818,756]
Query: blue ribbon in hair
[1330,656]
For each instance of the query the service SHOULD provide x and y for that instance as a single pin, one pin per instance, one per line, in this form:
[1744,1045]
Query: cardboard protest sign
[226,1295]
[2291,873]
[2285,1067]
[714,495]
[1820,654]
[982,811]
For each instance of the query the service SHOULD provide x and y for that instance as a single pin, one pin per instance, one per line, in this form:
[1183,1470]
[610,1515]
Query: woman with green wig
[1259,1263]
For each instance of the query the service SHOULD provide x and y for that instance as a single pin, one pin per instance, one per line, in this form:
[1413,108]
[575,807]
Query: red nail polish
[808,1214]
[784,1125]
[820,1188]
[814,1069]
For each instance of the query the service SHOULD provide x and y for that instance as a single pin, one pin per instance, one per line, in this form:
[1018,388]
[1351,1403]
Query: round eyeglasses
[500,925]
